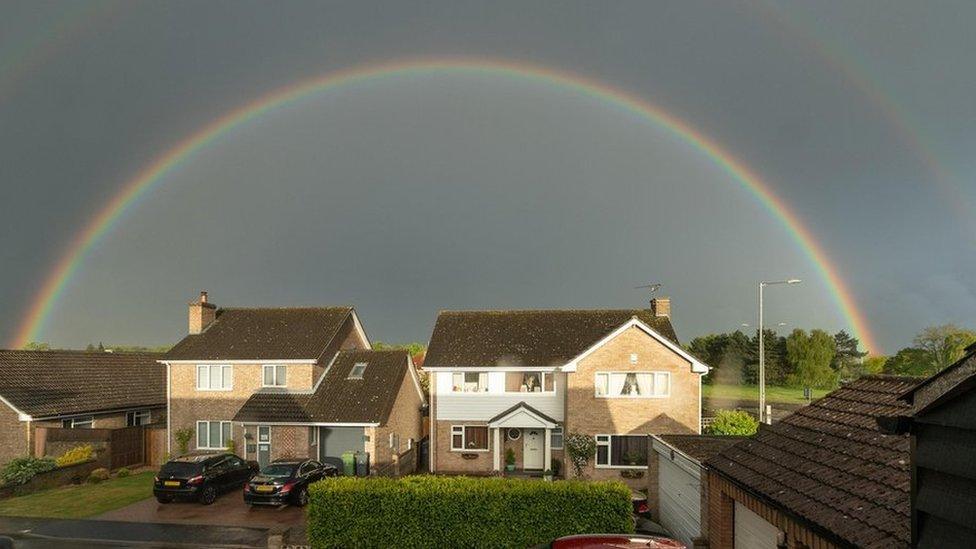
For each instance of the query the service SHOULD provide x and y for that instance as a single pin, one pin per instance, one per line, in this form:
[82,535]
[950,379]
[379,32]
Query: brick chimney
[202,313]
[661,306]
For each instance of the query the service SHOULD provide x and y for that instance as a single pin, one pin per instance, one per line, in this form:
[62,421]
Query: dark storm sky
[405,195]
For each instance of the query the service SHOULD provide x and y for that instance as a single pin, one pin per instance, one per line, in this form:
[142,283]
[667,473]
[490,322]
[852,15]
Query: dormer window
[357,370]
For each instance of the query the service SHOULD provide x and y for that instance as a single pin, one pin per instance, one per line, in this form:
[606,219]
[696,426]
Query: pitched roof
[527,338]
[265,334]
[830,464]
[524,406]
[56,383]
[944,385]
[337,398]
[700,447]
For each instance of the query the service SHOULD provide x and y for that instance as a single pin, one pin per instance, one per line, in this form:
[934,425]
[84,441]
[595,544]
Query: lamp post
[762,347]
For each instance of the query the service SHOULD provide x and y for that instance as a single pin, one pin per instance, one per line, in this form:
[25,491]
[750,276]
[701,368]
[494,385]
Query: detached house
[289,382]
[520,381]
[75,390]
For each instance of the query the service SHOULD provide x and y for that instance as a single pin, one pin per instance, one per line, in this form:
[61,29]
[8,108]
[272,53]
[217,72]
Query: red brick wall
[13,435]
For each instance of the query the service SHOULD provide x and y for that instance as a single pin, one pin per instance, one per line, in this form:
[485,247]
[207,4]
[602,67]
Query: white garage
[679,492]
[752,531]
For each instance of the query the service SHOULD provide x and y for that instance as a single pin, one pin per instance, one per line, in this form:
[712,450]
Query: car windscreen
[180,469]
[278,470]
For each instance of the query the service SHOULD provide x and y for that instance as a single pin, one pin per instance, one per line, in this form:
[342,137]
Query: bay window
[632,384]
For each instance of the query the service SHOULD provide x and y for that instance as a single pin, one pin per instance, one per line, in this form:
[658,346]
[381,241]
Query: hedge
[432,511]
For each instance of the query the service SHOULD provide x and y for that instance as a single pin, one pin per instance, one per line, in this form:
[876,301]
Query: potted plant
[509,460]
[557,466]
[547,475]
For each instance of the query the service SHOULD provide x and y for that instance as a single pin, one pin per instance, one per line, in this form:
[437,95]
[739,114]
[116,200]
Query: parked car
[286,481]
[615,541]
[201,477]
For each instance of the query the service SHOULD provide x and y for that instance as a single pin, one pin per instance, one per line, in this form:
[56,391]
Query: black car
[286,481]
[201,477]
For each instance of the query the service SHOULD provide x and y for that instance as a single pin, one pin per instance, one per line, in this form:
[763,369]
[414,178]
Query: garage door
[680,500]
[752,531]
[333,441]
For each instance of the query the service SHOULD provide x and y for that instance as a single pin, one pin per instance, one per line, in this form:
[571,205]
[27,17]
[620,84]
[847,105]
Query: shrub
[509,457]
[232,446]
[557,466]
[20,470]
[579,448]
[183,438]
[434,511]
[78,454]
[733,422]
[123,472]
[98,475]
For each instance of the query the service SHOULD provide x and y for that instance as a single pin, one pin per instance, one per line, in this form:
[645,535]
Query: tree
[810,356]
[908,362]
[874,364]
[733,422]
[943,345]
[848,359]
[777,369]
[37,346]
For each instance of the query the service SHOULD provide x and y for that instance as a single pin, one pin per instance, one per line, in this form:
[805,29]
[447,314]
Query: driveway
[228,510]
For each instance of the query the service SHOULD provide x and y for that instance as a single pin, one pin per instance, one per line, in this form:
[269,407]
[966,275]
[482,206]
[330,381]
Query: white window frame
[204,381]
[134,414]
[210,445]
[83,422]
[395,442]
[481,390]
[609,446]
[542,380]
[561,435]
[279,375]
[654,379]
[460,429]
[361,366]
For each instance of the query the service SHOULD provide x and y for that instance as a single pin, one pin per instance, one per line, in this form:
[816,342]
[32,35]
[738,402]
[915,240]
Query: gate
[127,447]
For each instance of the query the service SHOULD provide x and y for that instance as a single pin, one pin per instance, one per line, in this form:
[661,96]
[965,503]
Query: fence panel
[127,447]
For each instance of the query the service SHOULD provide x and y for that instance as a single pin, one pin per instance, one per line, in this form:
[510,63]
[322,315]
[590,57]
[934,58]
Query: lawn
[774,394]
[81,501]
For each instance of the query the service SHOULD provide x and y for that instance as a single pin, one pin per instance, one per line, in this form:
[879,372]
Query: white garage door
[752,531]
[680,495]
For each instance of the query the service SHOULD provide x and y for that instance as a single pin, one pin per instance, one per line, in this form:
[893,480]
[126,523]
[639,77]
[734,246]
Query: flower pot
[510,467]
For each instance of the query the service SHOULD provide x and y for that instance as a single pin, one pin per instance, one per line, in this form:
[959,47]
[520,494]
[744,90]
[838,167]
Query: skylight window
[357,370]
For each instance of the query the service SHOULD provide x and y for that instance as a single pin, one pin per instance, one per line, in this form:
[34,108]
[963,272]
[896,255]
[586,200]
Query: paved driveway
[228,510]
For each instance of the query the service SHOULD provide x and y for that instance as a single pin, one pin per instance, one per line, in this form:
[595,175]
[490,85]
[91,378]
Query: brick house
[75,389]
[521,380]
[825,476]
[261,380]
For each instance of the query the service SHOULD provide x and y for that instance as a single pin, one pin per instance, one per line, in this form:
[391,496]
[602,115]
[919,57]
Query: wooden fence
[115,448]
[402,464]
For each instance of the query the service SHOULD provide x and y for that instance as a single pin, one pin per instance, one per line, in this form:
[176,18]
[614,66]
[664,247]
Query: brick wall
[677,413]
[13,435]
[722,496]
[451,462]
[405,420]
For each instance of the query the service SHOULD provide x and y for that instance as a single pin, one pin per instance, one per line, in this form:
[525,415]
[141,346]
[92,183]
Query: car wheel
[301,498]
[208,495]
[164,499]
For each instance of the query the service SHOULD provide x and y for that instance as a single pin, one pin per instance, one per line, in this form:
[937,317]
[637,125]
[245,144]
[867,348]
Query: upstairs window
[215,378]
[470,382]
[357,370]
[274,376]
[632,384]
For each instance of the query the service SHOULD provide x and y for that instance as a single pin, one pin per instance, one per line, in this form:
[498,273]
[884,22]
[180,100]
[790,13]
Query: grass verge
[82,500]
[750,393]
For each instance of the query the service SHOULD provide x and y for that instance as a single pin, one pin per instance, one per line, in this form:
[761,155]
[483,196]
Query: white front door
[532,449]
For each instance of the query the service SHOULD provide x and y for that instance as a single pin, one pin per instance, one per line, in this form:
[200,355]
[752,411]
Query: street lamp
[762,348]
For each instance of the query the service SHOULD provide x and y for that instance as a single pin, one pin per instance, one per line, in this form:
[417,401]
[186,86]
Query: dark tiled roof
[55,383]
[526,338]
[338,399]
[830,464]
[701,447]
[258,334]
[945,384]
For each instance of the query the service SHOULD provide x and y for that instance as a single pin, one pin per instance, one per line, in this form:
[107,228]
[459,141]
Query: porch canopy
[521,416]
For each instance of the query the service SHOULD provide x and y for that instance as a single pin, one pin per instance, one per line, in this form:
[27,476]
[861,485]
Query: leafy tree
[733,422]
[848,359]
[37,346]
[811,355]
[908,362]
[943,345]
[777,368]
[874,364]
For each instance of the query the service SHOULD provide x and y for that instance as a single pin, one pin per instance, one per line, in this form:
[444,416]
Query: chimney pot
[203,297]
[201,314]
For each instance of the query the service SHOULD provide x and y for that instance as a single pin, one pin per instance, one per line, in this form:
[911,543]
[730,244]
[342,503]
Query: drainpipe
[169,413]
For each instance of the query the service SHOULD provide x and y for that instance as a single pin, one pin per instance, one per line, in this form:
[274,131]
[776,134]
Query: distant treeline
[818,359]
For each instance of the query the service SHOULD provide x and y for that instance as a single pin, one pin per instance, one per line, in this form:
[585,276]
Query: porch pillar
[547,453]
[496,453]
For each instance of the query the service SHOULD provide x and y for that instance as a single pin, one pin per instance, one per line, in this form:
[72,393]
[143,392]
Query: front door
[532,450]
[264,445]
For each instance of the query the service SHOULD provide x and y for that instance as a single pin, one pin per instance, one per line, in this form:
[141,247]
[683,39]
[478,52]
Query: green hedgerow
[733,422]
[433,511]
[20,470]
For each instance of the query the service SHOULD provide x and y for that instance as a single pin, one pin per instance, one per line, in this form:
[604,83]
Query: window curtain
[661,382]
[476,438]
[628,450]
[617,384]
[644,384]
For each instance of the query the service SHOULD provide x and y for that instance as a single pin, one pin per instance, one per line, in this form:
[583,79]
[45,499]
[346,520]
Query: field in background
[750,393]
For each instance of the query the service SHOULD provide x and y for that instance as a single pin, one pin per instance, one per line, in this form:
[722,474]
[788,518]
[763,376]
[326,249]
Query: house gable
[696,365]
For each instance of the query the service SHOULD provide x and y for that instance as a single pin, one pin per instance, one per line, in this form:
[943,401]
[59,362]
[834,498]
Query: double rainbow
[105,220]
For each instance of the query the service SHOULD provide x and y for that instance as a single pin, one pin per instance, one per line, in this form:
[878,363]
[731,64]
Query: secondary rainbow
[59,277]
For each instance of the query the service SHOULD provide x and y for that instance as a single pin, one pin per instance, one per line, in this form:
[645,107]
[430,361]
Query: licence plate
[173,483]
[264,488]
